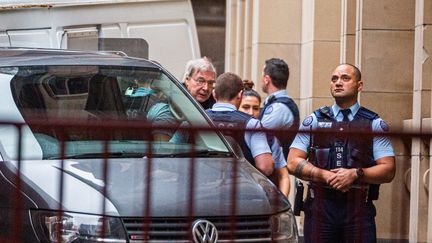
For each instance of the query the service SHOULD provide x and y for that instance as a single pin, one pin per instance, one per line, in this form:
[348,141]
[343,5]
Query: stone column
[231,34]
[262,29]
[276,33]
[320,52]
[247,54]
[385,54]
[239,37]
[422,94]
[348,31]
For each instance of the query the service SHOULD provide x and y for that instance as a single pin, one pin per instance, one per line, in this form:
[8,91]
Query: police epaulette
[282,99]
[324,110]
[368,114]
[271,99]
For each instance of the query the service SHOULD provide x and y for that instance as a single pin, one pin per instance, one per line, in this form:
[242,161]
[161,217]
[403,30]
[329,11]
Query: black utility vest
[285,139]
[233,119]
[331,149]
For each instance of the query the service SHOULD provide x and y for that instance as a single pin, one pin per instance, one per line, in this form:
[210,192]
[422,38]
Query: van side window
[134,47]
[88,39]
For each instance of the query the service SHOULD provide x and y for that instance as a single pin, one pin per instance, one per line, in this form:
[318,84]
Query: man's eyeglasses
[202,82]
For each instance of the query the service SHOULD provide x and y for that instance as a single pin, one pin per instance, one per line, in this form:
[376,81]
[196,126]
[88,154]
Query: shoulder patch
[268,110]
[307,121]
[384,126]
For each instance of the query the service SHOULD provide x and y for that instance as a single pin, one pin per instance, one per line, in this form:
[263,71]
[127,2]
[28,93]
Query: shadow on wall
[210,23]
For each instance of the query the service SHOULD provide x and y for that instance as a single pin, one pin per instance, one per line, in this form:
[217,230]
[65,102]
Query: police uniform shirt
[381,145]
[277,154]
[256,141]
[277,115]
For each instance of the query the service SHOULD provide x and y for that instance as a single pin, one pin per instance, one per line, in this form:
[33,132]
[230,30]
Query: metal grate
[178,229]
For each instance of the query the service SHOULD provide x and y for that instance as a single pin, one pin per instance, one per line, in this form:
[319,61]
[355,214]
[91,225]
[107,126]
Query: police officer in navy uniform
[279,111]
[344,171]
[228,94]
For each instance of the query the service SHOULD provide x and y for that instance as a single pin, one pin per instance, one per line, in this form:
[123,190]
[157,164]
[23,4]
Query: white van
[160,30]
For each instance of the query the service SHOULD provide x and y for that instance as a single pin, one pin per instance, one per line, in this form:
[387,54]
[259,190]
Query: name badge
[339,152]
[325,124]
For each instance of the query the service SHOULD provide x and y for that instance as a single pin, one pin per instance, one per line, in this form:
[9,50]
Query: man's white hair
[198,65]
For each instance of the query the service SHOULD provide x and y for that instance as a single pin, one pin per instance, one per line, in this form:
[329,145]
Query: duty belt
[329,193]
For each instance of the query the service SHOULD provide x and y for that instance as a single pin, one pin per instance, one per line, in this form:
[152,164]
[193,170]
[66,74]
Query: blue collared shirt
[382,146]
[277,115]
[256,141]
[160,114]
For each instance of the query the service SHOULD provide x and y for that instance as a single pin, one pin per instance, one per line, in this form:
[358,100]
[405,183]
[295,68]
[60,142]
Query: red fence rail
[16,206]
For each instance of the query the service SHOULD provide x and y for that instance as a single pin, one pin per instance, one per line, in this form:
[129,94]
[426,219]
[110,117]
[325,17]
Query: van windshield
[148,111]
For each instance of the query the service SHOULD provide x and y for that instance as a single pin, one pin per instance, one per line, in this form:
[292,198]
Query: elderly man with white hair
[199,79]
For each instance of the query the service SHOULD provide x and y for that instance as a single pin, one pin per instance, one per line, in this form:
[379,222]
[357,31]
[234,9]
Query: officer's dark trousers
[339,219]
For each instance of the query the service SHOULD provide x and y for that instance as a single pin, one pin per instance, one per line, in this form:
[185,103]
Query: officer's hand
[328,175]
[342,179]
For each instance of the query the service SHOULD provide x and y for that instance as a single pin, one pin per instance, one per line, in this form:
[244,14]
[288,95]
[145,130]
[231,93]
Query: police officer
[250,104]
[279,111]
[344,171]
[228,94]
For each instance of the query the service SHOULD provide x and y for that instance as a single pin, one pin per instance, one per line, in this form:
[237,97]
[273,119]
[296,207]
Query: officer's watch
[360,173]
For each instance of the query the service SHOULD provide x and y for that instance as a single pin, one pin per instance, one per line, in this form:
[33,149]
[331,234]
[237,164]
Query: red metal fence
[18,206]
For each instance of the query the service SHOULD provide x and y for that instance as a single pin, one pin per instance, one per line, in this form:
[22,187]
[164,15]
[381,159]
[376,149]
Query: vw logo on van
[204,231]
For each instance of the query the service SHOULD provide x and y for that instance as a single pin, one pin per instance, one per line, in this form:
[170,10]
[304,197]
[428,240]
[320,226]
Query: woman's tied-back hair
[248,84]
[227,86]
[197,65]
